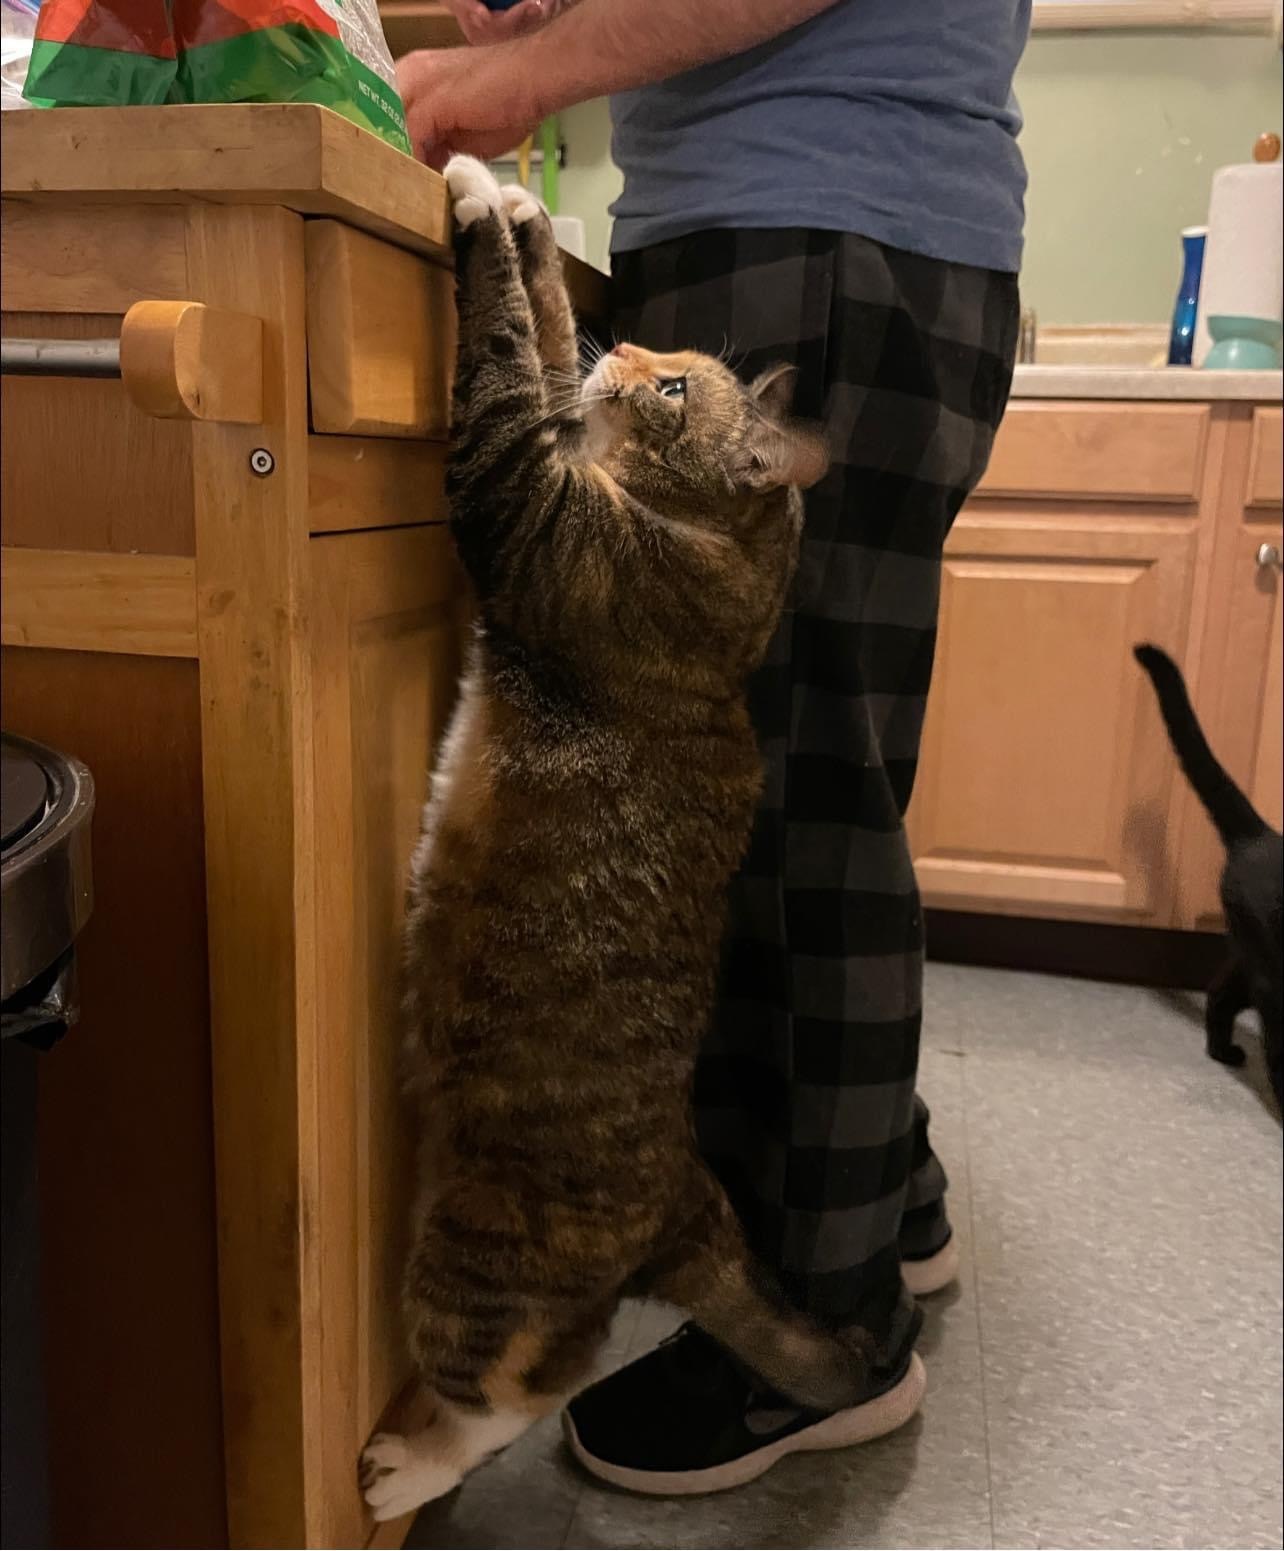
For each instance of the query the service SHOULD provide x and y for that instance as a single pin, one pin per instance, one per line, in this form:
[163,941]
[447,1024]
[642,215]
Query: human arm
[485,100]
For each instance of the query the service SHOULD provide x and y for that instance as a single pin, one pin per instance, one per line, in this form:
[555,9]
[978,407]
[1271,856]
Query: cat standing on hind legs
[594,795]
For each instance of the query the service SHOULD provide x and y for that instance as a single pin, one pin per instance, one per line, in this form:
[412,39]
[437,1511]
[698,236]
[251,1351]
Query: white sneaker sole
[858,1424]
[923,1277]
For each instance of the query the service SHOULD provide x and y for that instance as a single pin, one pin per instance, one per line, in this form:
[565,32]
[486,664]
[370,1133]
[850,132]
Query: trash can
[46,892]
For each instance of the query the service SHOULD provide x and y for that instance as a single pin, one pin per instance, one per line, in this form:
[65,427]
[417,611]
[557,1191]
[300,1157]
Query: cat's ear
[773,390]
[781,451]
[788,454]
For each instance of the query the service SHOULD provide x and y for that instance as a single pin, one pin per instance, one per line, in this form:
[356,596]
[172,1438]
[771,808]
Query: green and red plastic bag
[108,52]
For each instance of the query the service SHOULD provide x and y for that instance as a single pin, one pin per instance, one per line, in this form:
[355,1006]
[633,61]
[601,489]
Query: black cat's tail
[1235,817]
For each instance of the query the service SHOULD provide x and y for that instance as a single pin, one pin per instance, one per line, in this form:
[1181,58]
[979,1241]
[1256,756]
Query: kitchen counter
[1163,383]
[295,156]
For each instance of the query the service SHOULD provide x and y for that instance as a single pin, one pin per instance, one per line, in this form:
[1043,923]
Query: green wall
[1123,132]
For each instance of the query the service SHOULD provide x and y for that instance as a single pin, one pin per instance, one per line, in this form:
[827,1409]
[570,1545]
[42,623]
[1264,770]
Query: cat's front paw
[474,190]
[521,204]
[396,1477]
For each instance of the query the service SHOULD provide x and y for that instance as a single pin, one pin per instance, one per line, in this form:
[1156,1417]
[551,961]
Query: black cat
[1251,884]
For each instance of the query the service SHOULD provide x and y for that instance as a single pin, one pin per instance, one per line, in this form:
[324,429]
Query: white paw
[396,1478]
[385,1451]
[474,191]
[522,205]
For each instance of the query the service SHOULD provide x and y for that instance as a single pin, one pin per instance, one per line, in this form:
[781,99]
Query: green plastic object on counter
[548,145]
[101,53]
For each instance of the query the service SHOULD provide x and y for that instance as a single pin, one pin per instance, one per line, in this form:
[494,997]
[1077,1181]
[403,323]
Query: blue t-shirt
[893,119]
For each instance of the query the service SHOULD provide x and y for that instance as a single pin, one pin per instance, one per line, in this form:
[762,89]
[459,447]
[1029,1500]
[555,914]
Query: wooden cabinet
[1042,757]
[388,619]
[1078,451]
[1047,786]
[1239,688]
[251,633]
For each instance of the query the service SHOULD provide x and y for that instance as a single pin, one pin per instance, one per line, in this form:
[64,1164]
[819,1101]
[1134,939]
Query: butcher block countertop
[297,155]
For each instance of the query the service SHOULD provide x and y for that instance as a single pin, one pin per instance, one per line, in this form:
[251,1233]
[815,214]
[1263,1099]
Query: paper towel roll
[1244,256]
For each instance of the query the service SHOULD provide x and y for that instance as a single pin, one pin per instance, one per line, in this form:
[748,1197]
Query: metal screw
[261,462]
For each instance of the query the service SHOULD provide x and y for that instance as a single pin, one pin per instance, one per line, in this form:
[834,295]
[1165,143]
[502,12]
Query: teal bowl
[1244,344]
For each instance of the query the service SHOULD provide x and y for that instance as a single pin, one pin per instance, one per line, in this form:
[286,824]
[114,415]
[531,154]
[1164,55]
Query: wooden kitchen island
[229,590]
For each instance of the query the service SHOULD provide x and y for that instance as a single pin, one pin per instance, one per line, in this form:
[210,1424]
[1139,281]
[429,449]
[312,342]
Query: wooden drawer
[381,336]
[1121,452]
[1266,454]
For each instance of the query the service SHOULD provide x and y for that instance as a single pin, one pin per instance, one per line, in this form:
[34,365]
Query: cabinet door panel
[1267,789]
[1238,698]
[1265,481]
[387,632]
[1044,785]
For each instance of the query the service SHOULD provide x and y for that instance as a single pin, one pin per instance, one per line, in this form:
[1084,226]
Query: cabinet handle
[186,361]
[179,360]
[1268,557]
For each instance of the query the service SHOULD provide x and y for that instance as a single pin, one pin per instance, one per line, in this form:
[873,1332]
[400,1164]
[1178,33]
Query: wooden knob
[186,361]
[1266,148]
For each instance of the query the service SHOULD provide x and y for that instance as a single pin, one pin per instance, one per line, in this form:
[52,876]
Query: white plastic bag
[19,28]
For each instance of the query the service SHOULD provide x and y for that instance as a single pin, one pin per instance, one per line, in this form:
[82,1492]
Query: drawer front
[1120,452]
[381,336]
[1265,476]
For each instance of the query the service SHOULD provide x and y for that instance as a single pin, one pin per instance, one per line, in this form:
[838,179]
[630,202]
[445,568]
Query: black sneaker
[689,1418]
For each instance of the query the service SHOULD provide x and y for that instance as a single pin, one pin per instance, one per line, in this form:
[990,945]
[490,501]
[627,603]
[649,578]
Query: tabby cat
[1252,885]
[630,542]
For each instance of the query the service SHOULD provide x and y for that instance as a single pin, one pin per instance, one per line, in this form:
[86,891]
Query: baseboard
[1138,955]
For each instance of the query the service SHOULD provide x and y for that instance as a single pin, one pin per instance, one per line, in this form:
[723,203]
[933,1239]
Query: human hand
[479,24]
[456,100]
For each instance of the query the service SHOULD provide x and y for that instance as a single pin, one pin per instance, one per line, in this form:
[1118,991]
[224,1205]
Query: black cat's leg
[1228,996]
[1267,1001]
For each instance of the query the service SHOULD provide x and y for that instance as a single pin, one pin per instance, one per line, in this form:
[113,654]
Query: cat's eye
[672,387]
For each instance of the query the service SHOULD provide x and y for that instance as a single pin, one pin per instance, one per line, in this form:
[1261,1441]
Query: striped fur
[593,796]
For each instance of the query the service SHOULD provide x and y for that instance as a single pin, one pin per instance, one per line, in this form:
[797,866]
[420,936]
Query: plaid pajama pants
[805,1092]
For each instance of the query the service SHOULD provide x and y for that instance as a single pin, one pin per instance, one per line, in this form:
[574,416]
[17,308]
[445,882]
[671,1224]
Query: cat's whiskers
[590,352]
[560,409]
[562,377]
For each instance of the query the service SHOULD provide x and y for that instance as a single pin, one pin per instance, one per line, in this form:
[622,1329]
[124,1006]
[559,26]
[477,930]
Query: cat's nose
[625,351]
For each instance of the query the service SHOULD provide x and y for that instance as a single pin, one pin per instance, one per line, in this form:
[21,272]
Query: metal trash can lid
[46,886]
[24,794]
